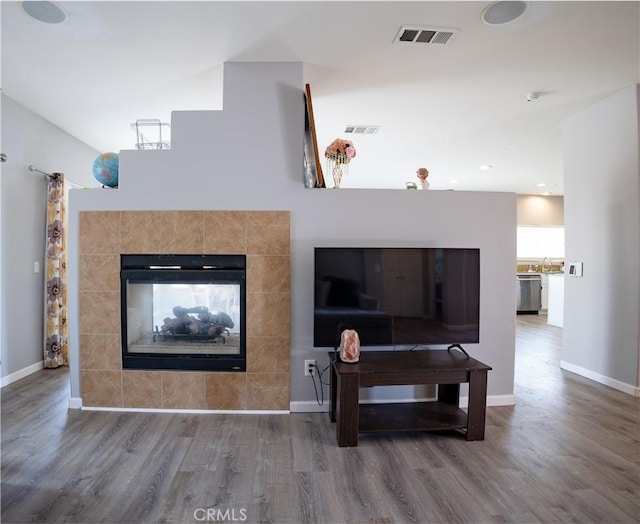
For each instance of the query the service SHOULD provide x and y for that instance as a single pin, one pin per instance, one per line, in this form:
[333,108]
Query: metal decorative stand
[152,136]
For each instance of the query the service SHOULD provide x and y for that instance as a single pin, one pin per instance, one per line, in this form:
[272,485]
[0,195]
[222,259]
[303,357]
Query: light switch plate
[575,269]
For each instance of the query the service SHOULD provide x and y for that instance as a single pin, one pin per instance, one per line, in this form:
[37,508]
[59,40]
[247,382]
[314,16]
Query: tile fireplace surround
[264,236]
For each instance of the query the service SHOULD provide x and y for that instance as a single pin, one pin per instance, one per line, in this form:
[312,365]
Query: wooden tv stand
[447,369]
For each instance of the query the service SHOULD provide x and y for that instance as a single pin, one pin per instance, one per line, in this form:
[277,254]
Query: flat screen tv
[397,295]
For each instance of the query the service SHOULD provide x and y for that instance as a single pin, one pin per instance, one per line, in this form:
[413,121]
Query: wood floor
[569,451]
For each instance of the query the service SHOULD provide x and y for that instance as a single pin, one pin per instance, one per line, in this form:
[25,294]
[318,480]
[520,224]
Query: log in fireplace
[183,312]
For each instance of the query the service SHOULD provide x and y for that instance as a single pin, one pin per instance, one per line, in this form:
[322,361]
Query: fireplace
[263,240]
[183,312]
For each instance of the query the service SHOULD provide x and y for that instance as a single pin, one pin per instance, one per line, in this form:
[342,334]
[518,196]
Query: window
[540,241]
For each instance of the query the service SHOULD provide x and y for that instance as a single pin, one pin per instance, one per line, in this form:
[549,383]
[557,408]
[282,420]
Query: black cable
[315,387]
[322,373]
[320,400]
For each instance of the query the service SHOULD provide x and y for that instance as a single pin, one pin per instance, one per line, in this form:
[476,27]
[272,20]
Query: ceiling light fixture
[541,184]
[43,11]
[485,167]
[503,12]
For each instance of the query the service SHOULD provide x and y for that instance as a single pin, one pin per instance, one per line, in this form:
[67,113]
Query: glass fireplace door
[177,318]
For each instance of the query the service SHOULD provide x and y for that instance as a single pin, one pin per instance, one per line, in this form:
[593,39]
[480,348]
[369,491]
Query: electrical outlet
[309,368]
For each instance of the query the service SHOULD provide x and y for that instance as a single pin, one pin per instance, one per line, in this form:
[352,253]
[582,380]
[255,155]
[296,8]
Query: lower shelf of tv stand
[442,368]
[411,416]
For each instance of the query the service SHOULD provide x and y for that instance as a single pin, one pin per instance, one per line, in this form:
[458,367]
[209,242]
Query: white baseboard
[21,373]
[192,411]
[602,379]
[75,403]
[311,406]
[501,400]
[308,406]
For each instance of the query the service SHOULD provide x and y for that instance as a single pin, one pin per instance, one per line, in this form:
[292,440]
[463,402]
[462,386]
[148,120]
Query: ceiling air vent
[425,35]
[362,130]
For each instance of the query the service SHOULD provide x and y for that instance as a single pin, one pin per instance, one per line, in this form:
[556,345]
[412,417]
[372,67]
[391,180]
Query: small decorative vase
[337,169]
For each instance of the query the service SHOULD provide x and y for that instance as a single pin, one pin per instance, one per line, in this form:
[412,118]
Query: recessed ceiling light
[503,12]
[454,181]
[42,11]
[541,184]
[485,167]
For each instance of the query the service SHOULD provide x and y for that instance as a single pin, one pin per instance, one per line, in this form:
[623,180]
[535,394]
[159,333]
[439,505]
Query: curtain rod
[72,184]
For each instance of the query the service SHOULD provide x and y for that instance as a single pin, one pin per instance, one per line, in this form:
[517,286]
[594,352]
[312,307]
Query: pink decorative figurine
[423,173]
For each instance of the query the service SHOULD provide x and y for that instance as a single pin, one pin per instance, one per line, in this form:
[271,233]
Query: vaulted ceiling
[451,107]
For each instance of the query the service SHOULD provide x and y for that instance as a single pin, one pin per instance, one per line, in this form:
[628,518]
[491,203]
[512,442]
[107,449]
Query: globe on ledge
[105,169]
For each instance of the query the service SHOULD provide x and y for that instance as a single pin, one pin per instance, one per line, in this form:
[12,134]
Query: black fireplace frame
[197,269]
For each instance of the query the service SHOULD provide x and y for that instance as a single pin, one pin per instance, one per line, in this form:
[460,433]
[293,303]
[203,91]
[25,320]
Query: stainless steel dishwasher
[528,292]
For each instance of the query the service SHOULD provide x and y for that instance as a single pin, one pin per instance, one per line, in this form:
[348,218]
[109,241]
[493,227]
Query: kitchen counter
[555,313]
[540,273]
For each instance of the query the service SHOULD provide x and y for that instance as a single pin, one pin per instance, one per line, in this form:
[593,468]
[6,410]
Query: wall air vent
[425,35]
[362,130]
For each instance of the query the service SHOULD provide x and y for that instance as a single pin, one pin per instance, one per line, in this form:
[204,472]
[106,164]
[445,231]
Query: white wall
[249,157]
[540,210]
[29,139]
[602,224]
